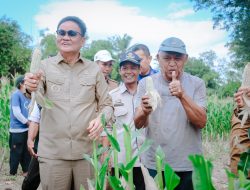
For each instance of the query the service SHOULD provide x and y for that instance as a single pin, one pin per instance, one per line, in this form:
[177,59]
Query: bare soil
[217,151]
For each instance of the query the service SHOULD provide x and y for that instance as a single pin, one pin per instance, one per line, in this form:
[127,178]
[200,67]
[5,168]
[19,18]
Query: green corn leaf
[243,182]
[103,120]
[160,153]
[159,156]
[131,164]
[231,180]
[48,103]
[115,183]
[244,163]
[88,158]
[81,187]
[101,150]
[103,170]
[114,143]
[171,179]
[202,174]
[123,171]
[145,146]
[126,127]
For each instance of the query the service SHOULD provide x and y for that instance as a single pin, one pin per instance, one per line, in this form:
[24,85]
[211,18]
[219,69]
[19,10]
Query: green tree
[199,68]
[233,16]
[90,49]
[120,43]
[48,45]
[114,44]
[14,48]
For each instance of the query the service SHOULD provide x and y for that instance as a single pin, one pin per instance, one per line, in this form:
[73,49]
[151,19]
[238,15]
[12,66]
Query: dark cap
[19,80]
[173,44]
[130,57]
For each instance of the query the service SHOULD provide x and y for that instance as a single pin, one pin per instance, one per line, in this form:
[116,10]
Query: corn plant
[170,177]
[202,174]
[5,93]
[219,113]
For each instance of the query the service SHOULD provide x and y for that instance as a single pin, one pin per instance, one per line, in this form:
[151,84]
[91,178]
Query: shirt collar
[59,58]
[123,88]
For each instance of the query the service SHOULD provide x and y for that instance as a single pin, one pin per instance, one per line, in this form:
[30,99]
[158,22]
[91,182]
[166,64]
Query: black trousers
[185,179]
[32,180]
[137,178]
[19,152]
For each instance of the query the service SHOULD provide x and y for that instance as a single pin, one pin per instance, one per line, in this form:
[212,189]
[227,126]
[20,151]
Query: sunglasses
[70,33]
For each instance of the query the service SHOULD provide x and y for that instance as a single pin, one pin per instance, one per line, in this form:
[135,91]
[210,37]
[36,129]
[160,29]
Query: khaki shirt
[77,92]
[112,84]
[124,105]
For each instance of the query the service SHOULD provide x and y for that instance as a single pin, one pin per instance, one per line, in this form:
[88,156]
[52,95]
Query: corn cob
[154,97]
[245,110]
[34,67]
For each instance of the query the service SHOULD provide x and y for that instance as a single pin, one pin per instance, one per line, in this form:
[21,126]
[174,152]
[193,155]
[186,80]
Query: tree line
[221,77]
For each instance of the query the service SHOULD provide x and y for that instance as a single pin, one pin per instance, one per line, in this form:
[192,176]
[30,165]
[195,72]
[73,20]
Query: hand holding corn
[33,82]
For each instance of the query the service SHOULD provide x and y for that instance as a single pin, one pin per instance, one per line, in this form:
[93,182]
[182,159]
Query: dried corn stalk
[34,67]
[245,110]
[154,97]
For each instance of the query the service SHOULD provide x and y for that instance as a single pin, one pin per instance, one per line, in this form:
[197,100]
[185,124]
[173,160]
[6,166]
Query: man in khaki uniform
[77,89]
[105,61]
[239,139]
[123,99]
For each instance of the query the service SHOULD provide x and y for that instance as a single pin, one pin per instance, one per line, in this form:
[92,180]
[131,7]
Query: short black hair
[76,20]
[142,47]
[19,80]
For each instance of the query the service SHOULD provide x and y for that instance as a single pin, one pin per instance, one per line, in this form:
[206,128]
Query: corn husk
[245,110]
[154,97]
[34,67]
[149,181]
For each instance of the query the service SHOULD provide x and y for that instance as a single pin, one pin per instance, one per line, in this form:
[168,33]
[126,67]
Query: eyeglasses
[70,33]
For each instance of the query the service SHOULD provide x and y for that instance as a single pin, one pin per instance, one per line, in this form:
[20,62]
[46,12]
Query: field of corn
[219,113]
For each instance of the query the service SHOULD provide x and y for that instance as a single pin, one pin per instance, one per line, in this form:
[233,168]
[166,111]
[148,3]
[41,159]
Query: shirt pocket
[121,114]
[86,89]
[55,87]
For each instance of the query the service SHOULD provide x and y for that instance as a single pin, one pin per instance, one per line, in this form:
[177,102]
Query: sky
[148,22]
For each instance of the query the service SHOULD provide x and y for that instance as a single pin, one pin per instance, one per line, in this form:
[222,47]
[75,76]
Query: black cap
[130,57]
[19,80]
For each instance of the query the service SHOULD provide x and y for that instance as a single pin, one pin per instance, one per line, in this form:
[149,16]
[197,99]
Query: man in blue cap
[123,99]
[19,128]
[176,124]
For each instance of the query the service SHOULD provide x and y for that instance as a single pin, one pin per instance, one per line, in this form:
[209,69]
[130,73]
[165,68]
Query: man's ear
[186,58]
[83,41]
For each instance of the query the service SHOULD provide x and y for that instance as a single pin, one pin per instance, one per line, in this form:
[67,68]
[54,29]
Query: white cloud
[110,17]
[181,14]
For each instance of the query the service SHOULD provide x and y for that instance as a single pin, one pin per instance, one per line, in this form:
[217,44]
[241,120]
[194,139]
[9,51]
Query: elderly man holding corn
[176,123]
[79,94]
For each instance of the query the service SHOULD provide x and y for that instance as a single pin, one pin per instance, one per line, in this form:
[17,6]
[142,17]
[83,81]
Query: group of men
[82,92]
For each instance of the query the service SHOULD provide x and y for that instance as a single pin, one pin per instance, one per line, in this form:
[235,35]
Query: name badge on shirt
[118,103]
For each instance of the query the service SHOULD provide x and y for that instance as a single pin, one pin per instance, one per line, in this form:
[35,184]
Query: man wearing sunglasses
[77,89]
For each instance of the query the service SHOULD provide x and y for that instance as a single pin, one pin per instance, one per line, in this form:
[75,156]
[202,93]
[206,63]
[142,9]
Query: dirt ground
[217,151]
